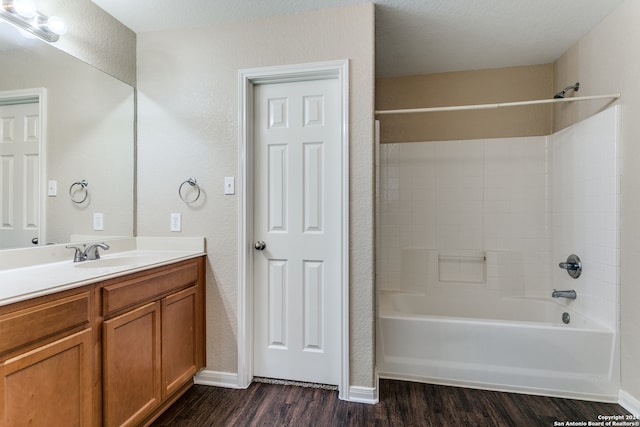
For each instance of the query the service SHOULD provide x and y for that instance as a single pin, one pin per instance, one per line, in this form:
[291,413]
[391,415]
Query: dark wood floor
[401,404]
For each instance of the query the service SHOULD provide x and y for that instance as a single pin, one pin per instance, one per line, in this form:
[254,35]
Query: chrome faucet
[92,251]
[87,253]
[564,294]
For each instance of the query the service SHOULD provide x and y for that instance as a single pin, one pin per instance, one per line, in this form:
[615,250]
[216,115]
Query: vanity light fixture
[23,14]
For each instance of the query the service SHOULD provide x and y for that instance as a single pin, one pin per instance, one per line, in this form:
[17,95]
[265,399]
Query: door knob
[260,245]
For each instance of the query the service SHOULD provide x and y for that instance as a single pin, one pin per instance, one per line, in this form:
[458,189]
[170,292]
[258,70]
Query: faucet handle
[573,265]
[92,253]
[79,255]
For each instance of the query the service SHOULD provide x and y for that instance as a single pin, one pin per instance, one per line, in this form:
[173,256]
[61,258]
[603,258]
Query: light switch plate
[229,185]
[176,222]
[98,221]
[52,188]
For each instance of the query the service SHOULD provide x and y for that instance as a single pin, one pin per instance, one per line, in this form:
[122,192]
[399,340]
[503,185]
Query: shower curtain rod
[499,105]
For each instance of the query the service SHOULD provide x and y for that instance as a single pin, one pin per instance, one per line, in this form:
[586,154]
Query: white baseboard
[217,379]
[357,394]
[629,402]
[367,395]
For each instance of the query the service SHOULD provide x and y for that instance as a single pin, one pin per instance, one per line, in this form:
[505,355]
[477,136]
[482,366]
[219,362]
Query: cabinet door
[179,338]
[50,385]
[131,353]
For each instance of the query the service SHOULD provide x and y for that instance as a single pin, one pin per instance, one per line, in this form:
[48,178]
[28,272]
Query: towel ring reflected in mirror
[78,191]
[193,184]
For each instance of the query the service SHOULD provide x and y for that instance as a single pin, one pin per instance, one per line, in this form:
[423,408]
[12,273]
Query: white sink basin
[117,261]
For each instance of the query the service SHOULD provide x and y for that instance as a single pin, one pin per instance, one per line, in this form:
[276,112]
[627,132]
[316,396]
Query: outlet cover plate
[176,222]
[98,221]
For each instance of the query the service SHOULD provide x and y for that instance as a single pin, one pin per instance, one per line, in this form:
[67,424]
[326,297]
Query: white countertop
[32,279]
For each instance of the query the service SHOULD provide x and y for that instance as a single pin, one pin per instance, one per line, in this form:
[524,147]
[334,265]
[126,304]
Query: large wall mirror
[66,147]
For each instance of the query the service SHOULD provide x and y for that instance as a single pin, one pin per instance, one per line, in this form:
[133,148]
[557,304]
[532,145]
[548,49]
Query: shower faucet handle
[573,265]
[569,265]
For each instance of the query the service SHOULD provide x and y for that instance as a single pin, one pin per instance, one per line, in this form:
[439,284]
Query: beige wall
[605,61]
[463,88]
[95,37]
[188,127]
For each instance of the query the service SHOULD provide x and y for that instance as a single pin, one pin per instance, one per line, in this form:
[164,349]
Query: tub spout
[564,294]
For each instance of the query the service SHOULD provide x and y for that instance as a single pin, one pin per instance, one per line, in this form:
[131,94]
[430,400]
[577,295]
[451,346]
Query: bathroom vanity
[114,348]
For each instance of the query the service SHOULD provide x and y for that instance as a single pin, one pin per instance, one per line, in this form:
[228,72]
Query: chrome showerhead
[562,93]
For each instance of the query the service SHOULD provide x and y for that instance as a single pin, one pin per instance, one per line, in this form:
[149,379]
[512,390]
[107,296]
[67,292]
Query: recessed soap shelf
[462,266]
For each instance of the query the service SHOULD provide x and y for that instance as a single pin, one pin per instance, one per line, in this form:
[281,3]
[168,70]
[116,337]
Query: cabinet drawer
[29,325]
[148,287]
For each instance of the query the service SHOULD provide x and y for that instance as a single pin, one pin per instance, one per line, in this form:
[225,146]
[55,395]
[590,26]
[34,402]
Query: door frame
[248,78]
[21,95]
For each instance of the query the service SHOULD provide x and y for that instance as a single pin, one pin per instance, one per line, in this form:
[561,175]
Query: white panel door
[297,205]
[19,174]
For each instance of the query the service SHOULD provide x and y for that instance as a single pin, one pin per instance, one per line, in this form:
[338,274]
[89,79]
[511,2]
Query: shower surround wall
[584,168]
[524,203]
[457,196]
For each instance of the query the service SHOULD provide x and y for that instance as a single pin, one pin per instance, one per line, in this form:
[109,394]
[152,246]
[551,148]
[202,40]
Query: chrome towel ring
[194,186]
[78,191]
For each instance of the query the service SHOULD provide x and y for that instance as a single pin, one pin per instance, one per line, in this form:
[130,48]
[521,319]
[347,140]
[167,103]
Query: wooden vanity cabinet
[153,341]
[180,340]
[46,362]
[131,366]
[61,372]
[112,353]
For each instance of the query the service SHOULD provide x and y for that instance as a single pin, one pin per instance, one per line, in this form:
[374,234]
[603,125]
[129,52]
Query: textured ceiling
[412,36]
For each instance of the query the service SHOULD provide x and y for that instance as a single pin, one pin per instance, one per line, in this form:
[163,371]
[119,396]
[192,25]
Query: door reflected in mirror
[21,143]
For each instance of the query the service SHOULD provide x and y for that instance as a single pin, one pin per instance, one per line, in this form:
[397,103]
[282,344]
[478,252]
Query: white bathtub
[507,344]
